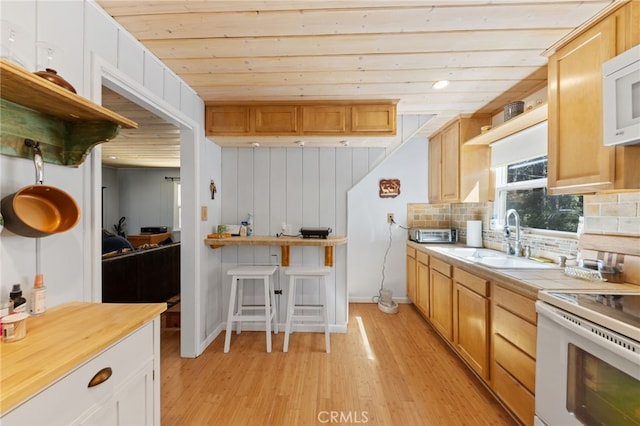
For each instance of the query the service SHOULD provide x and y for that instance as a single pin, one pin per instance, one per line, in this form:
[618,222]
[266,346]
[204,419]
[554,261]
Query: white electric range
[588,358]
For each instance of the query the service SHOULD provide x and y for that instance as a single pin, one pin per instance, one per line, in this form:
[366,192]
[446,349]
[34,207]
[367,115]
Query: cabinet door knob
[100,377]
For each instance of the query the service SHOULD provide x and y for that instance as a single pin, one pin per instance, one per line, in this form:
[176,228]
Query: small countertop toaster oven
[434,236]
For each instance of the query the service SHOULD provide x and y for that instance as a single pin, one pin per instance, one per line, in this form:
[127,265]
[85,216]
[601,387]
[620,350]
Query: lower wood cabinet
[441,297]
[471,320]
[411,274]
[489,325]
[423,280]
[514,351]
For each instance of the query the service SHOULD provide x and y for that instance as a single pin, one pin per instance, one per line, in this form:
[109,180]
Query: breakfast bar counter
[284,242]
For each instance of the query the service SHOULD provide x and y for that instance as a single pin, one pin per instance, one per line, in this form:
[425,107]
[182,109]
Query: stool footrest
[306,318]
[249,318]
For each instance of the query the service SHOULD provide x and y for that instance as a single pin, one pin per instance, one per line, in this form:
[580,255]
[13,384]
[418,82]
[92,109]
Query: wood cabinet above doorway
[372,118]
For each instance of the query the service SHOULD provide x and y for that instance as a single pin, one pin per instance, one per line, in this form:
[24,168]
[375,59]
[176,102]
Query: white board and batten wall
[78,33]
[302,187]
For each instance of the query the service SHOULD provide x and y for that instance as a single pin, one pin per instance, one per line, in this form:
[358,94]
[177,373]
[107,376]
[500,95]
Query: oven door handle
[625,347]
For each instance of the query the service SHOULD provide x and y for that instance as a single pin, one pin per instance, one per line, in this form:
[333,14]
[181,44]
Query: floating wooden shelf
[67,125]
[523,121]
[283,242]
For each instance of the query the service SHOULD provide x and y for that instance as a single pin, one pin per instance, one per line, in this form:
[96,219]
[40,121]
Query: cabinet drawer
[70,397]
[411,252]
[440,266]
[514,395]
[516,303]
[422,257]
[520,365]
[473,283]
[516,330]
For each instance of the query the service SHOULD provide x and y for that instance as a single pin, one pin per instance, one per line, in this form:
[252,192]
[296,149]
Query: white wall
[146,197]
[142,195]
[61,256]
[110,198]
[80,32]
[370,236]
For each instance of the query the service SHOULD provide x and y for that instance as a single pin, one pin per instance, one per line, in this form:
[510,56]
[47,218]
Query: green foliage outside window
[537,209]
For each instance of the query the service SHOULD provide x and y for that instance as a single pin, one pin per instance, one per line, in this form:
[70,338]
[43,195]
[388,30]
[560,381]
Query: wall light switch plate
[203,213]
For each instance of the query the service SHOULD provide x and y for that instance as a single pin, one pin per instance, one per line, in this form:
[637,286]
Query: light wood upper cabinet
[378,118]
[328,120]
[227,119]
[435,167]
[578,160]
[459,173]
[275,120]
[450,168]
[310,119]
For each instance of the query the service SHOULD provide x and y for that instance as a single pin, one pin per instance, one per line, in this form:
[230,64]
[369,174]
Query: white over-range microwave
[621,98]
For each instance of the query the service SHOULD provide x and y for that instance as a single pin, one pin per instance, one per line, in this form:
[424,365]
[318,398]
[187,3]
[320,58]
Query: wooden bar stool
[296,273]
[251,272]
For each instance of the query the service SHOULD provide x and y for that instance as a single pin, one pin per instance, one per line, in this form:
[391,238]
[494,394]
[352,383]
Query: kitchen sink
[493,258]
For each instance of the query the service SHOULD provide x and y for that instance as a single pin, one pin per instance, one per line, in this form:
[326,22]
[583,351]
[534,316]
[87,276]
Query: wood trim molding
[612,7]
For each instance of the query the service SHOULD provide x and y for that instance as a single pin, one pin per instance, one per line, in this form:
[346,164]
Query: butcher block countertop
[62,339]
[525,281]
[284,242]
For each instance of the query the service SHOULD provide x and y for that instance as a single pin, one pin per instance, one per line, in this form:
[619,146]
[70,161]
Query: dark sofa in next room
[143,275]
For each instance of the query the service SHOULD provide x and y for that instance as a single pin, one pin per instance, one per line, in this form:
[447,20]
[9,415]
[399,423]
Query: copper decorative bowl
[39,211]
[52,76]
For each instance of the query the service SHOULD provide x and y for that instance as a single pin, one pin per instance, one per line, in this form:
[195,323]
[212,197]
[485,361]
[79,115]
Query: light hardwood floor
[386,370]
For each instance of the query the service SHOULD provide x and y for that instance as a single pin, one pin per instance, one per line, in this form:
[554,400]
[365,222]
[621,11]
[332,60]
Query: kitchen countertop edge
[527,282]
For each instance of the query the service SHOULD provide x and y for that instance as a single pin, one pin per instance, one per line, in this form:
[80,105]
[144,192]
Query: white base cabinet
[130,395]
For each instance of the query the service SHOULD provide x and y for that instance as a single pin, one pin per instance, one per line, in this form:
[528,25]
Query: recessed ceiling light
[113,157]
[440,84]
[255,144]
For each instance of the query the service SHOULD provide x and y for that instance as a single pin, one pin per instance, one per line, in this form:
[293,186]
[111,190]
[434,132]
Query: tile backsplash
[609,214]
[617,214]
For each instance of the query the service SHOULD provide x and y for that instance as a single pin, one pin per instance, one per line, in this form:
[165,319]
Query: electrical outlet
[390,218]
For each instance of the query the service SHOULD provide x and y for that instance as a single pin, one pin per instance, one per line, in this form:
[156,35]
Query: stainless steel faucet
[507,232]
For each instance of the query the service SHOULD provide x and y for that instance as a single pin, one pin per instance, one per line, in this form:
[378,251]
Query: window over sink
[522,185]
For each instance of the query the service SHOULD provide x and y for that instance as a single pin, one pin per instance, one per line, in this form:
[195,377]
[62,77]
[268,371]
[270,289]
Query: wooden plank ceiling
[297,50]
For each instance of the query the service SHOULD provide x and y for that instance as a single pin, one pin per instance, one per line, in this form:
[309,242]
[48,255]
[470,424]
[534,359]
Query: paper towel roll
[474,233]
